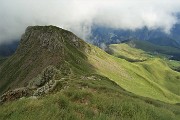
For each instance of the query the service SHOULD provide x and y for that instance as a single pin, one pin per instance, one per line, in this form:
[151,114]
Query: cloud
[79,15]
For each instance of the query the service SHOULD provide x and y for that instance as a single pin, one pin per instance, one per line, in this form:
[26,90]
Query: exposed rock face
[48,75]
[40,85]
[14,94]
[45,76]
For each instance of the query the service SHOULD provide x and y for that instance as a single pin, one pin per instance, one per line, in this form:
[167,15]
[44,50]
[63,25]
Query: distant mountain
[108,35]
[7,49]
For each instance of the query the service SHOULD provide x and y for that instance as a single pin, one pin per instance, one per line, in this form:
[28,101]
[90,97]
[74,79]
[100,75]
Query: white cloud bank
[79,15]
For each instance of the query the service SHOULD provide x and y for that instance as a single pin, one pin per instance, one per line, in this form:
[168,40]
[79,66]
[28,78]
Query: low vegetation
[89,97]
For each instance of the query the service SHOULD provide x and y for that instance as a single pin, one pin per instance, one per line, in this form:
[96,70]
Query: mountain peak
[41,46]
[49,38]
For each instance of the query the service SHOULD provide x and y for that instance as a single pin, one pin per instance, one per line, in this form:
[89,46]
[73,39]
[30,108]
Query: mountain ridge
[56,75]
[40,47]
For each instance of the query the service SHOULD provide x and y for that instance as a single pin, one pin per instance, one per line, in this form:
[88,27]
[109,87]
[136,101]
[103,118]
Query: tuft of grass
[63,102]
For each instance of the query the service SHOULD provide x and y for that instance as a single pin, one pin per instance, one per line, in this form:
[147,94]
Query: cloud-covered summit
[79,15]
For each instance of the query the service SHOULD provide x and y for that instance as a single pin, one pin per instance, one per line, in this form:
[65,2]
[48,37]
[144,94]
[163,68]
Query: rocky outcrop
[48,87]
[14,94]
[42,49]
[48,74]
[49,38]
[40,85]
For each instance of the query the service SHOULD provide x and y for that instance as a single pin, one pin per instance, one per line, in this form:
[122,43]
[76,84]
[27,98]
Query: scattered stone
[92,78]
[48,87]
[48,74]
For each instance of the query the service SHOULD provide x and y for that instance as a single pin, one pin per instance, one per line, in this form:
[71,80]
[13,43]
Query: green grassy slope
[151,78]
[91,97]
[128,53]
[155,49]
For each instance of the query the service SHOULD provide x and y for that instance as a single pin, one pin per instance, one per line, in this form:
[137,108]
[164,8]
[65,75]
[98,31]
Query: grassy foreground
[90,97]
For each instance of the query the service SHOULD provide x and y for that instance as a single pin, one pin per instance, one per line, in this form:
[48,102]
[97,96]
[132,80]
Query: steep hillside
[59,76]
[2,60]
[39,48]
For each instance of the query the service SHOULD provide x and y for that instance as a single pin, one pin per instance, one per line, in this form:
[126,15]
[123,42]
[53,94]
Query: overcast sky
[79,15]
